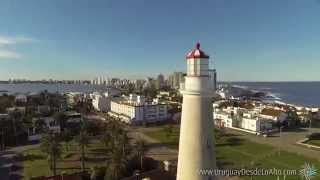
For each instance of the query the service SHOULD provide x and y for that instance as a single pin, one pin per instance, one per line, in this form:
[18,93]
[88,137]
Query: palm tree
[51,146]
[106,140]
[61,119]
[67,138]
[83,141]
[141,150]
[293,119]
[44,97]
[124,142]
[16,116]
[117,142]
[4,126]
[118,162]
[168,130]
[310,118]
[97,172]
[40,125]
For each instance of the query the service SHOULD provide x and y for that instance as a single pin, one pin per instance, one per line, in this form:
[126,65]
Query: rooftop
[197,53]
[271,112]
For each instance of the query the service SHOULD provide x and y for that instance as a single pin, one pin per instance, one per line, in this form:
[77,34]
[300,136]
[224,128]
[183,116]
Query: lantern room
[197,62]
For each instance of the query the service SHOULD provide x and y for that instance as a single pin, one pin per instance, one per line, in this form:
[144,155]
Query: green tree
[15,116]
[131,88]
[6,102]
[83,140]
[44,97]
[67,137]
[98,172]
[150,92]
[5,125]
[27,122]
[106,140]
[61,119]
[141,149]
[293,119]
[117,165]
[124,142]
[119,149]
[51,146]
[84,106]
[168,130]
[40,125]
[217,134]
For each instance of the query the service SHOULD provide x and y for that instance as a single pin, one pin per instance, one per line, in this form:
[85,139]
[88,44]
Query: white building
[21,98]
[252,121]
[196,144]
[21,110]
[222,119]
[100,101]
[242,119]
[134,110]
[49,123]
[71,98]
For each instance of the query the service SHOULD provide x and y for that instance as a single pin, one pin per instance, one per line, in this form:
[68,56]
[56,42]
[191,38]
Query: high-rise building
[150,83]
[160,81]
[176,79]
[213,75]
[196,145]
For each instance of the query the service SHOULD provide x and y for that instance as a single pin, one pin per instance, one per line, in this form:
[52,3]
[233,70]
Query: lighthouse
[196,145]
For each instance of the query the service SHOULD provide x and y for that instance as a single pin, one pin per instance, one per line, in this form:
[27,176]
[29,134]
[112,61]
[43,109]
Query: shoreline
[262,93]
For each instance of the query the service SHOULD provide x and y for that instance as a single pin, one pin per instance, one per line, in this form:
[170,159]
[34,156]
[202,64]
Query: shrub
[314,136]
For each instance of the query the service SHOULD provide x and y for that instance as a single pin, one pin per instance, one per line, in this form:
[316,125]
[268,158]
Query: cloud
[7,41]
[6,54]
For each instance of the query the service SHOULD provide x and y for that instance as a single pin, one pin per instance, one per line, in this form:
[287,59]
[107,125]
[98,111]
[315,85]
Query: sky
[247,40]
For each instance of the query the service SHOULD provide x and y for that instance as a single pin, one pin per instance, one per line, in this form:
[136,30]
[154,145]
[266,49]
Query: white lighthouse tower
[196,146]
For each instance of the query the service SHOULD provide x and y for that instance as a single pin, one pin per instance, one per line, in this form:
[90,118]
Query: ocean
[298,93]
[62,88]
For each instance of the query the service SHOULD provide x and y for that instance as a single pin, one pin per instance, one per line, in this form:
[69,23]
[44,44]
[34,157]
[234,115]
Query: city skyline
[247,40]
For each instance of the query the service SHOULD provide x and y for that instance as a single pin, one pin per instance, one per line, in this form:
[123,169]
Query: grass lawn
[234,152]
[314,142]
[170,139]
[35,162]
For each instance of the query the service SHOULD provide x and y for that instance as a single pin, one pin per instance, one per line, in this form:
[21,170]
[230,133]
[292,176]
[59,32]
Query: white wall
[250,124]
[139,114]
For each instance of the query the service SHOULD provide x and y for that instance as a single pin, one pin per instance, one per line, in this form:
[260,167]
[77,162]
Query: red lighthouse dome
[197,53]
